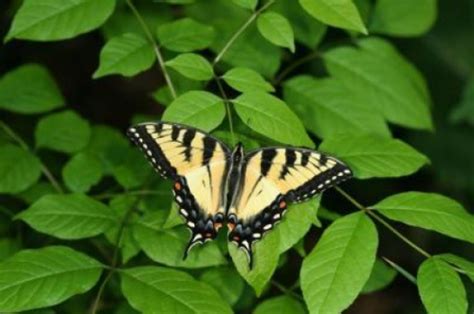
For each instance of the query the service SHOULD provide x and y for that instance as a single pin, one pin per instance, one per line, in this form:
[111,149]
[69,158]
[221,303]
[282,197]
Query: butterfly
[214,185]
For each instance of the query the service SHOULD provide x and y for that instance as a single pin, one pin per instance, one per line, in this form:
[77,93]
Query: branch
[156,48]
[9,131]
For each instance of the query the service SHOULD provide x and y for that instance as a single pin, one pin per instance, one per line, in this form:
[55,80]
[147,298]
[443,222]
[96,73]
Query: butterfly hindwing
[274,177]
[197,162]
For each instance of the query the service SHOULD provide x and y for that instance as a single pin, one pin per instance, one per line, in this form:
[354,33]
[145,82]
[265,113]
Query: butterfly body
[214,186]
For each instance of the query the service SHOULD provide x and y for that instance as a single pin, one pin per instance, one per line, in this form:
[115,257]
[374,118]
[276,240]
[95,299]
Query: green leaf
[327,109]
[19,169]
[280,305]
[276,29]
[388,92]
[371,156]
[246,80]
[44,277]
[152,289]
[296,223]
[196,108]
[246,4]
[440,288]
[271,117]
[382,275]
[132,171]
[122,206]
[429,211]
[338,13]
[69,216]
[265,261]
[29,89]
[82,171]
[464,264]
[167,246]
[307,30]
[65,132]
[8,247]
[336,270]
[403,17]
[35,192]
[127,54]
[46,20]
[464,111]
[181,84]
[248,142]
[192,66]
[185,35]
[226,281]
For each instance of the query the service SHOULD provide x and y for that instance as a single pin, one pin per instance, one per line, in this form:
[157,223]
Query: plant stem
[383,222]
[9,131]
[227,108]
[401,270]
[240,31]
[283,289]
[312,55]
[156,48]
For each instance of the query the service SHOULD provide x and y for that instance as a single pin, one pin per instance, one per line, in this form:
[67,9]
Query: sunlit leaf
[192,66]
[196,108]
[44,277]
[185,35]
[371,156]
[246,80]
[338,13]
[82,171]
[271,117]
[440,288]
[430,211]
[276,29]
[152,289]
[127,55]
[226,281]
[46,20]
[280,305]
[69,216]
[336,270]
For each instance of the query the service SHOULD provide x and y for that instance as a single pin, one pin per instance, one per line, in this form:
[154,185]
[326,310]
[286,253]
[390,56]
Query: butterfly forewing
[197,163]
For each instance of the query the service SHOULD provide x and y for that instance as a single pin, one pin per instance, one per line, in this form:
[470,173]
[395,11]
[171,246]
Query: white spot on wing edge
[183,212]
[267,227]
[191,224]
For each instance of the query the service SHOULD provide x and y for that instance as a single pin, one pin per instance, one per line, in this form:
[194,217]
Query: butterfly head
[238,153]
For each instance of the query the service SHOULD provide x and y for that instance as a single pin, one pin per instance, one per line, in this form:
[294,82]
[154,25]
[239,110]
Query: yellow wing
[198,163]
[273,177]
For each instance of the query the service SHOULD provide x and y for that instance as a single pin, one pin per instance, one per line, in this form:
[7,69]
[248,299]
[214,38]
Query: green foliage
[29,89]
[149,288]
[403,17]
[440,288]
[127,54]
[64,132]
[192,66]
[263,73]
[38,278]
[73,216]
[429,211]
[47,20]
[276,29]
[19,169]
[338,267]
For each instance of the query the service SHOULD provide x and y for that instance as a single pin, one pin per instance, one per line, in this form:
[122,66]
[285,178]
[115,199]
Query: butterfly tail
[195,239]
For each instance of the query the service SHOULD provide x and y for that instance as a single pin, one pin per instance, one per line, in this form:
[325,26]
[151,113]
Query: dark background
[445,56]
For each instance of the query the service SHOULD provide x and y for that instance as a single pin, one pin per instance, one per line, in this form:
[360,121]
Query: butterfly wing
[197,163]
[273,177]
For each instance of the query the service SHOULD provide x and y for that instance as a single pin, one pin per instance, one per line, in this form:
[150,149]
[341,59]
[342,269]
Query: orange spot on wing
[231,226]
[177,186]
[282,204]
[217,225]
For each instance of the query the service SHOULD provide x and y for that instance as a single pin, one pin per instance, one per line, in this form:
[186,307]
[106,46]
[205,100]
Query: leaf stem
[156,48]
[240,31]
[227,108]
[312,55]
[9,131]
[383,222]
[283,289]
[400,270]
